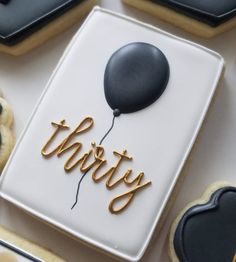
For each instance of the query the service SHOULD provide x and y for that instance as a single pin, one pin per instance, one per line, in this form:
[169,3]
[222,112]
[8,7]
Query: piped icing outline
[212,204]
[203,16]
[29,28]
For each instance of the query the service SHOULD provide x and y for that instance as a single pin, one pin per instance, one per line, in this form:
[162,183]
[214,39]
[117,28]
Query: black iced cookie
[207,232]
[20,19]
[212,12]
[205,18]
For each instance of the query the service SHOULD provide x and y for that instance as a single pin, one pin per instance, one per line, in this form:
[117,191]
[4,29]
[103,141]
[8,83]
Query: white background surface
[22,80]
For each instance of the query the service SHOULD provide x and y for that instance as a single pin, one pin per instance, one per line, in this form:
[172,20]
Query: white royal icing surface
[158,137]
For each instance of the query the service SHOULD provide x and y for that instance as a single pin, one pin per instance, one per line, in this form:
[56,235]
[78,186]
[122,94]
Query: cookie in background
[205,230]
[206,18]
[6,133]
[34,22]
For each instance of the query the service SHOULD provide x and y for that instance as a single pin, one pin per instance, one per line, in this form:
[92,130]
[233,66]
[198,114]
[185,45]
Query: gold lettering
[125,179]
[59,127]
[69,165]
[129,195]
[65,145]
[111,172]
[84,126]
[96,152]
[94,159]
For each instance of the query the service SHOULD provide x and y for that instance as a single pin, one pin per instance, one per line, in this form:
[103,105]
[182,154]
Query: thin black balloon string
[83,176]
[78,188]
[109,130]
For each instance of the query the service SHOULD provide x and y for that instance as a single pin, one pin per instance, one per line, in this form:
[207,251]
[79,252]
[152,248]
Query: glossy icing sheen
[135,77]
[158,137]
[19,18]
[212,12]
[207,232]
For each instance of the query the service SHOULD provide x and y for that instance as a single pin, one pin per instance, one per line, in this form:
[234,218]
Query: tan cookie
[6,144]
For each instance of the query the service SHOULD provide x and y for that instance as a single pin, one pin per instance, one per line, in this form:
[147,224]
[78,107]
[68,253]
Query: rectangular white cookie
[159,137]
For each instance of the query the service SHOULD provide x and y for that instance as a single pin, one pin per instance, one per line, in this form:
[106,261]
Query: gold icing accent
[111,172]
[59,127]
[130,194]
[65,146]
[94,159]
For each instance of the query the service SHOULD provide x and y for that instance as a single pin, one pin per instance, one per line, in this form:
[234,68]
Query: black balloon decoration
[136,75]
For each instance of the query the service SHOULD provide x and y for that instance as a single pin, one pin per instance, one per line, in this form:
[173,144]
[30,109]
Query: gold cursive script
[94,160]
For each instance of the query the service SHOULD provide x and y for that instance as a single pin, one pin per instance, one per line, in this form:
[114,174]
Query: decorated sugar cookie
[33,22]
[205,229]
[204,18]
[109,138]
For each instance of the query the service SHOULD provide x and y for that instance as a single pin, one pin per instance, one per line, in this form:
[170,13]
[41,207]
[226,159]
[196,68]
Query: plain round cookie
[6,114]
[6,144]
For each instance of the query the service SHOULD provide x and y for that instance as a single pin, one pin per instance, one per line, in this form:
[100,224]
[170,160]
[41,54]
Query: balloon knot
[116,112]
